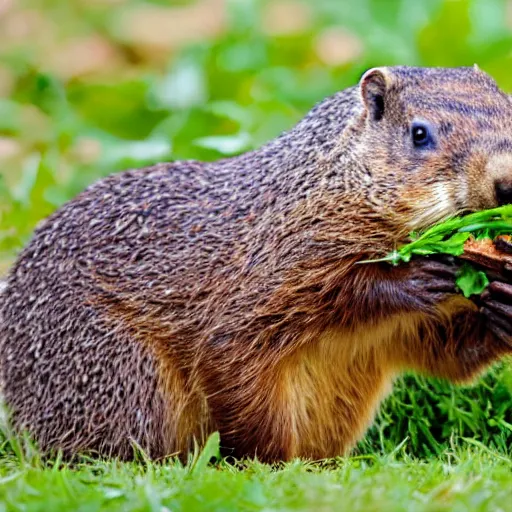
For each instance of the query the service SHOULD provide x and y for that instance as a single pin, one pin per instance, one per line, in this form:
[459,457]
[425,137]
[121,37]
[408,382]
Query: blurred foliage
[89,87]
[94,86]
[430,416]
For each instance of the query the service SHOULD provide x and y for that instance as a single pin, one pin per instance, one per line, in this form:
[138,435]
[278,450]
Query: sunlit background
[89,87]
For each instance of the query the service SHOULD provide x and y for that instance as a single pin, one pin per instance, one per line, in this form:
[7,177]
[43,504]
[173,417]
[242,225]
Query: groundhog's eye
[421,135]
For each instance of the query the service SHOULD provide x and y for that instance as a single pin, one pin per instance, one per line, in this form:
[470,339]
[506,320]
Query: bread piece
[491,254]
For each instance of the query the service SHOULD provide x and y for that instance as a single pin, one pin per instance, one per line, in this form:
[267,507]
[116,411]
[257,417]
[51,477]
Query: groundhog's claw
[496,305]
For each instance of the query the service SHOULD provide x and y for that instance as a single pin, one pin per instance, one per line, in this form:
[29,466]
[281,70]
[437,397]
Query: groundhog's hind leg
[80,385]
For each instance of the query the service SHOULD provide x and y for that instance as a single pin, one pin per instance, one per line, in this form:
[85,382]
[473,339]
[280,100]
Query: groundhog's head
[439,139]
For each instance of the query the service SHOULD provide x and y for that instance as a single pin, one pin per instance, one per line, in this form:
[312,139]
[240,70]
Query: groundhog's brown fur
[165,303]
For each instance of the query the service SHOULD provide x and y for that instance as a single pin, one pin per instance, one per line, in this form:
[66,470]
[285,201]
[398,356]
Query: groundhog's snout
[500,169]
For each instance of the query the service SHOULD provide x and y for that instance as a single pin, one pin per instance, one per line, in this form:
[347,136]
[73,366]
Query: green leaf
[471,281]
[226,144]
[184,86]
[118,152]
[211,450]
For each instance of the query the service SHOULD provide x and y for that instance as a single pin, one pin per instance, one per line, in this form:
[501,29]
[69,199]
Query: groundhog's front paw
[496,306]
[431,281]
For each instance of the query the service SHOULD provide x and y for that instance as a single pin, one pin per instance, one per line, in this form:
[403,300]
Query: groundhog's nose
[503,191]
[499,169]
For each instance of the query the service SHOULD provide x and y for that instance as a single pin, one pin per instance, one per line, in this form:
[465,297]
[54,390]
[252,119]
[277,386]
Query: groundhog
[165,303]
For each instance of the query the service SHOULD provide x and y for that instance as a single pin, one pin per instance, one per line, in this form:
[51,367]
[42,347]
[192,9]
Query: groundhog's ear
[374,86]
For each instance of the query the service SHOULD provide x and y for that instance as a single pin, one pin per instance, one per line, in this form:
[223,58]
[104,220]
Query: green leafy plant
[449,237]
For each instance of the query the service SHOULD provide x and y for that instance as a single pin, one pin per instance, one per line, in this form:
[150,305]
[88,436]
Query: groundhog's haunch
[165,303]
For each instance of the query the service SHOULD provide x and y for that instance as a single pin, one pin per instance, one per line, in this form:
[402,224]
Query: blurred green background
[89,87]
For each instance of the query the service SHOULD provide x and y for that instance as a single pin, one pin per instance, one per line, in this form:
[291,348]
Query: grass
[470,478]
[88,88]
[427,414]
